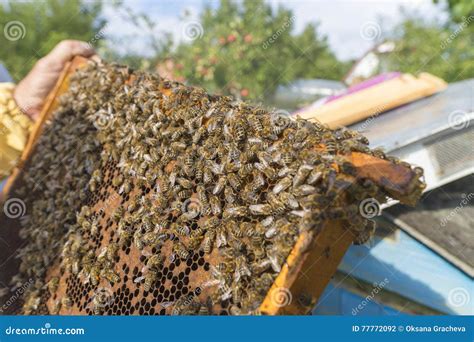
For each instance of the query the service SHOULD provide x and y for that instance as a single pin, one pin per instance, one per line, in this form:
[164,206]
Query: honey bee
[304,190]
[238,211]
[137,240]
[126,187]
[99,302]
[53,284]
[118,213]
[289,200]
[258,180]
[181,250]
[181,229]
[366,234]
[234,181]
[282,185]
[94,274]
[56,307]
[241,268]
[260,209]
[211,223]
[110,275]
[221,182]
[185,183]
[215,204]
[314,176]
[208,241]
[150,279]
[66,302]
[239,130]
[229,195]
[301,175]
[117,181]
[277,206]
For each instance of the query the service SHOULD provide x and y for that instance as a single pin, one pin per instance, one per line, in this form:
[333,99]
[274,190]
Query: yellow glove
[15,127]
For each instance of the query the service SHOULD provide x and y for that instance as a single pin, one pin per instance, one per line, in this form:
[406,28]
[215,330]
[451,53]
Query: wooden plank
[307,271]
[374,100]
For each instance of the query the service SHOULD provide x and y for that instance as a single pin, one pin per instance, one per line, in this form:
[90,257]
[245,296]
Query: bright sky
[342,21]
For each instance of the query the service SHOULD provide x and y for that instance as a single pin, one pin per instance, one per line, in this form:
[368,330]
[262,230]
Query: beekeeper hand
[31,92]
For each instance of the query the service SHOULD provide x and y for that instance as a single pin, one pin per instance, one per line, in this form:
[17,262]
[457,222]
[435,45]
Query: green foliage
[460,10]
[445,52]
[246,49]
[44,24]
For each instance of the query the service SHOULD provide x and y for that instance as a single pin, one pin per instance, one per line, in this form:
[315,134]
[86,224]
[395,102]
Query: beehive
[101,200]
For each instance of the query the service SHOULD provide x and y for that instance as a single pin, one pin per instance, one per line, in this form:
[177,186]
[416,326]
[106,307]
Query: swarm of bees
[202,174]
